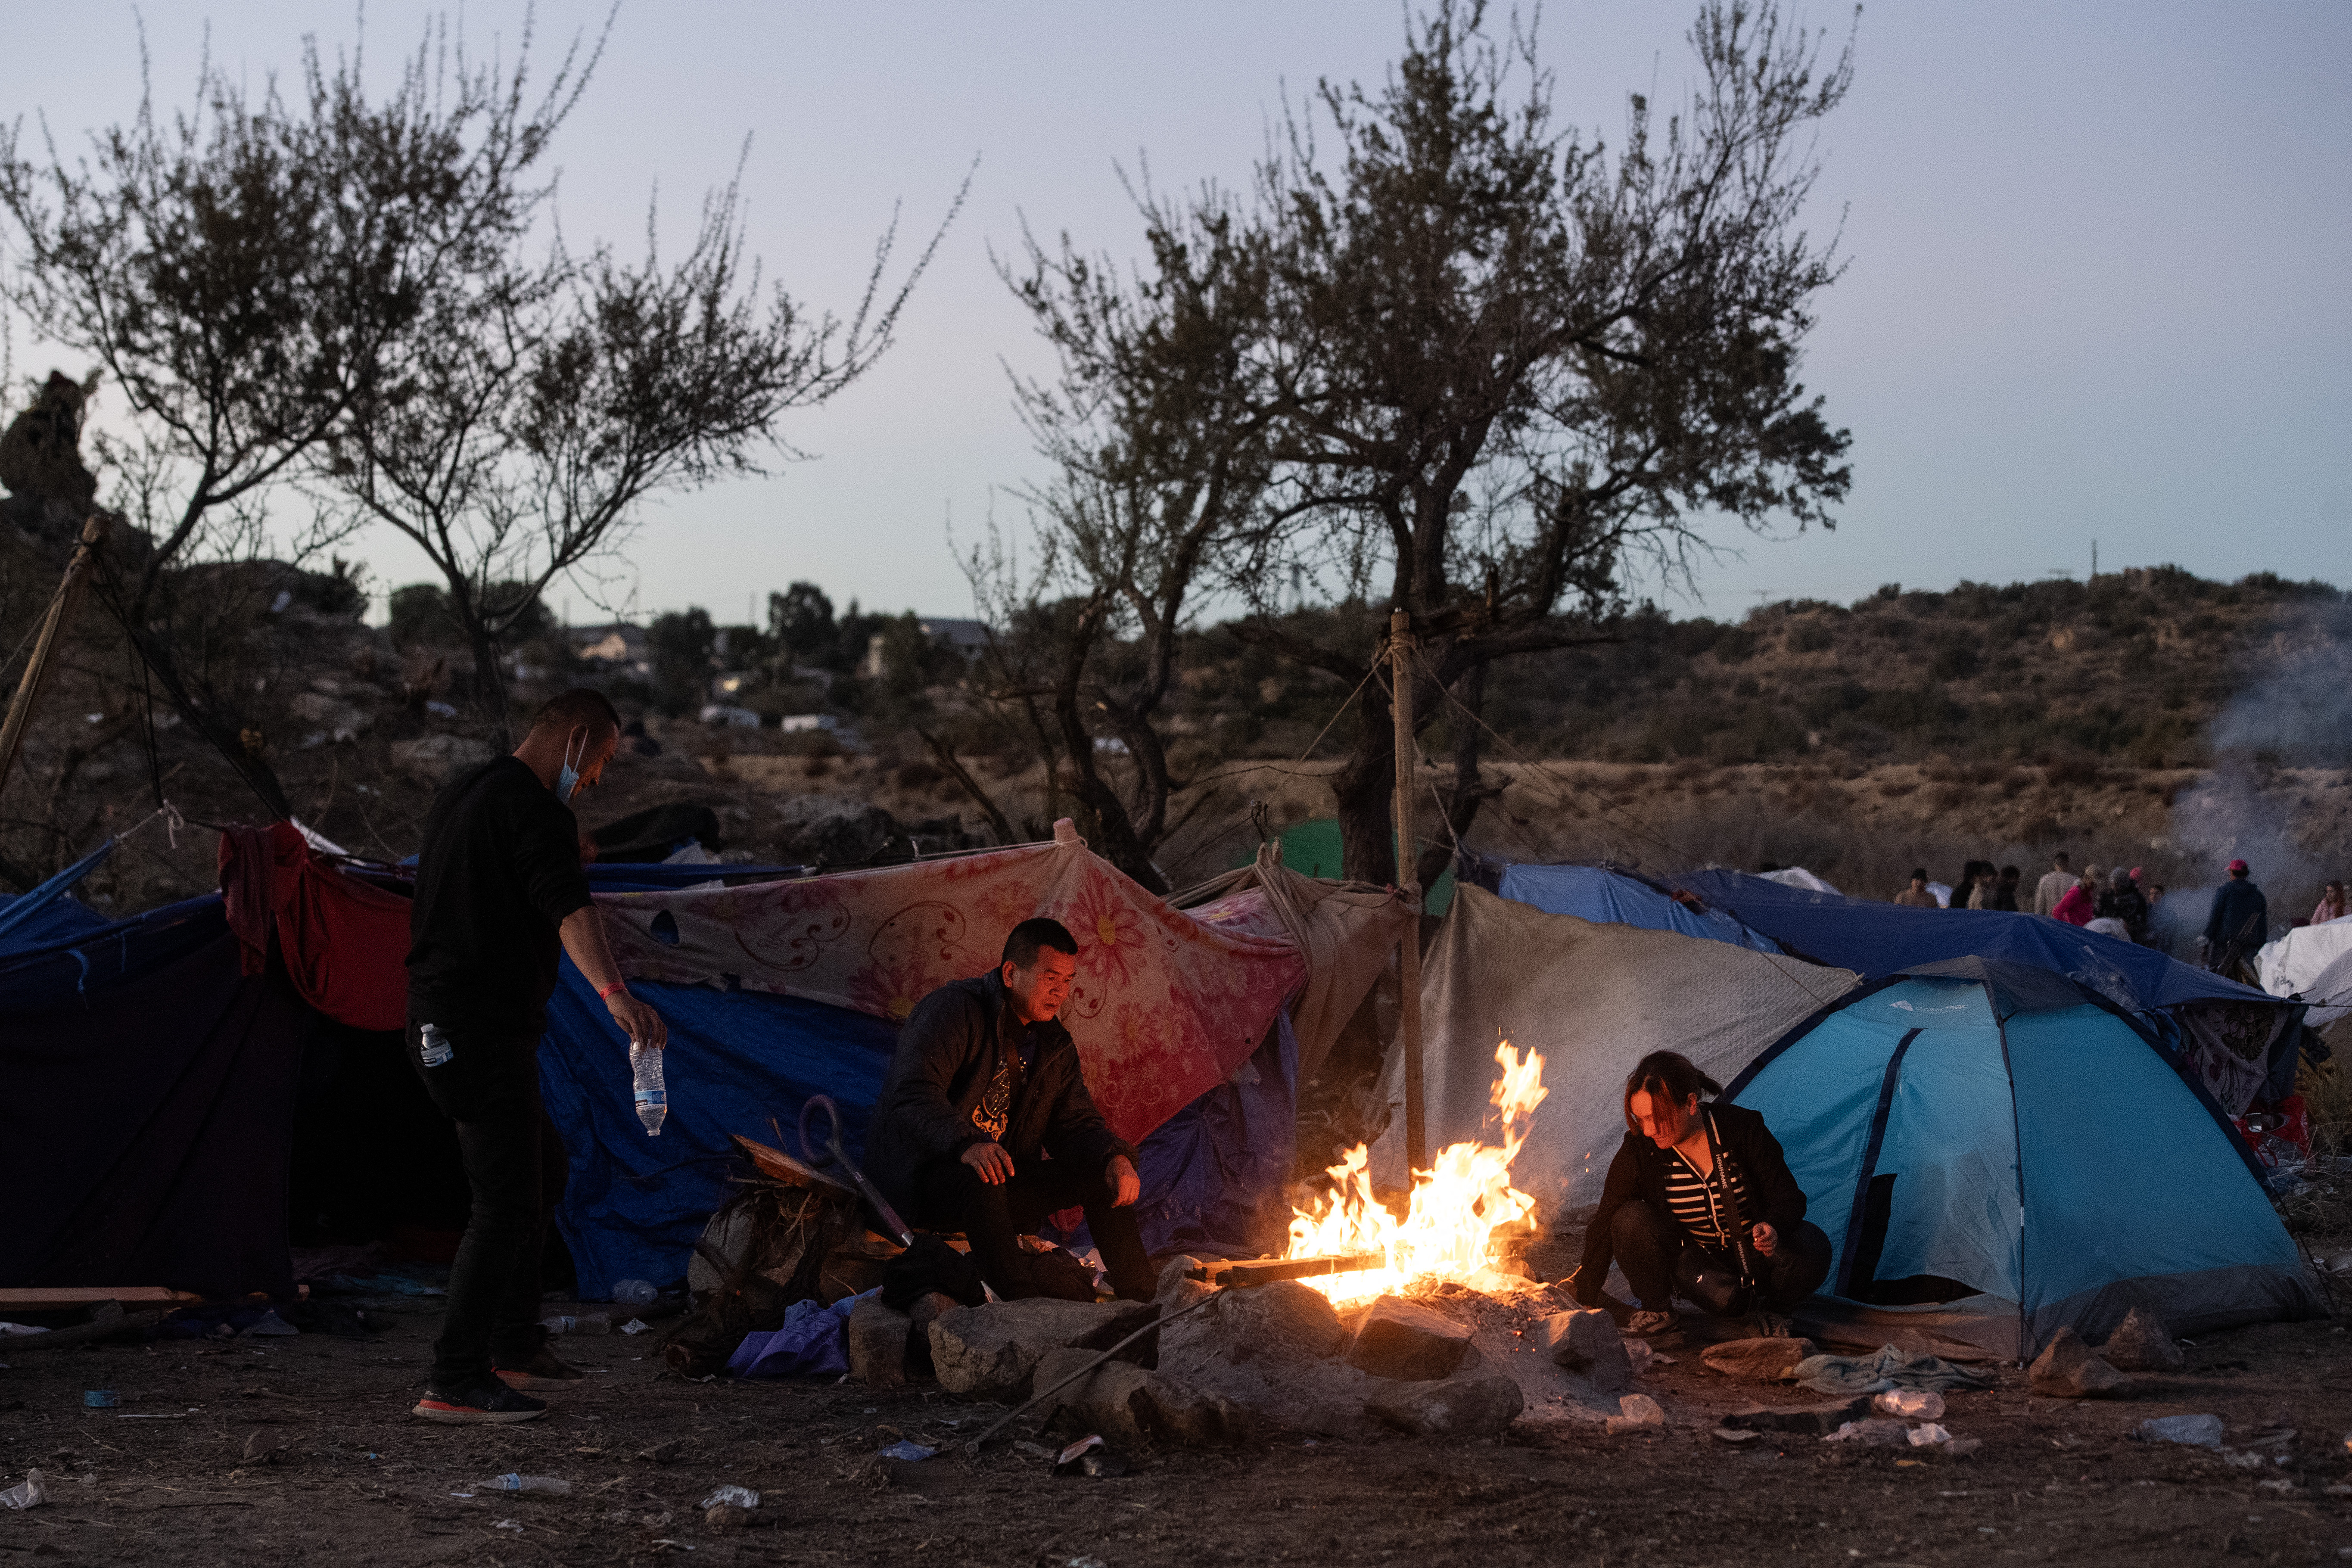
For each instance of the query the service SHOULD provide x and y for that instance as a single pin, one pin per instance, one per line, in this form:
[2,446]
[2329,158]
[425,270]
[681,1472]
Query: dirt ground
[166,1476]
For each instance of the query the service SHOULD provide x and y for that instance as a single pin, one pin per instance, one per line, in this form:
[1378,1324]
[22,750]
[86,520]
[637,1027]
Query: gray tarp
[1595,999]
[1347,930]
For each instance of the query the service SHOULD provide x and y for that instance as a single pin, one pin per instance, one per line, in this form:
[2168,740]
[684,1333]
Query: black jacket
[948,1053]
[499,872]
[2239,914]
[1640,1169]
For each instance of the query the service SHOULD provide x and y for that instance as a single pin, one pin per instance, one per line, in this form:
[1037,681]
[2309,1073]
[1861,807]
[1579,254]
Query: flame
[1458,1204]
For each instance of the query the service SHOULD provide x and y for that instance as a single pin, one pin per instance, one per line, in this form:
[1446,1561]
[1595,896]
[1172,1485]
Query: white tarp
[1594,1000]
[1798,878]
[2292,961]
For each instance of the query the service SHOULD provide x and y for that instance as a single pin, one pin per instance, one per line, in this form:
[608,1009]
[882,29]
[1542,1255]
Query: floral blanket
[1165,1006]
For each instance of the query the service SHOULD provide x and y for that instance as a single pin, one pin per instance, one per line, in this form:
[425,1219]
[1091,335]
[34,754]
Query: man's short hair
[579,709]
[1918,873]
[2010,872]
[2060,858]
[1020,948]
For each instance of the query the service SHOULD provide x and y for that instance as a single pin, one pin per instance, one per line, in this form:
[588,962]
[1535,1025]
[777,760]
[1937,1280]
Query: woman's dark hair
[1669,1074]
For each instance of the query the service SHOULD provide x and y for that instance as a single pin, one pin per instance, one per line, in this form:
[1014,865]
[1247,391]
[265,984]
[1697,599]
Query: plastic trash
[635,1293]
[636,1326]
[740,1496]
[1872,1432]
[100,1399]
[8,1329]
[592,1323]
[652,1095]
[912,1452]
[26,1493]
[1636,1412]
[2197,1431]
[510,1482]
[1911,1404]
[270,1324]
[1927,1434]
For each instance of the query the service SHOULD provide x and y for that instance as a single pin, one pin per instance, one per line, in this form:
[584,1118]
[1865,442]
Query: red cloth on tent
[345,943]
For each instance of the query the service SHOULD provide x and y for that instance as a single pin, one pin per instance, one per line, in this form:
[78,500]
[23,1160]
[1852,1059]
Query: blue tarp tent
[48,914]
[146,1135]
[633,1205]
[1608,897]
[1877,939]
[1936,1120]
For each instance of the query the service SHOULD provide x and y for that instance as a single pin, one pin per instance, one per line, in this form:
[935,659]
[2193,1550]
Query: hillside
[2134,668]
[1912,728]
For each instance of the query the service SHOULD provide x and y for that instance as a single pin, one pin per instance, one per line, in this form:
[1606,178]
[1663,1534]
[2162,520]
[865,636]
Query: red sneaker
[491,1404]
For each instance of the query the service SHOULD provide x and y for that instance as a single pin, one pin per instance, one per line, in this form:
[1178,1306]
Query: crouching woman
[1678,1194]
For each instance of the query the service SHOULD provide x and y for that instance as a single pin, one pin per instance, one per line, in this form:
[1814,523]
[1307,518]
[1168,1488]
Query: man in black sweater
[985,1124]
[498,890]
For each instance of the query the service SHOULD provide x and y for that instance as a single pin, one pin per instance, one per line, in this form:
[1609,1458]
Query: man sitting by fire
[1671,1220]
[985,1124]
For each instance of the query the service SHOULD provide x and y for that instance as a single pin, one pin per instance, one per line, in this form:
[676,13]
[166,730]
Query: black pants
[951,1196]
[1648,1245]
[489,1088]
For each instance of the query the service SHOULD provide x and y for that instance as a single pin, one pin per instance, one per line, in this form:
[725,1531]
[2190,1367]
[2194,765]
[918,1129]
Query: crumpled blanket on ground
[814,1342]
[1889,1368]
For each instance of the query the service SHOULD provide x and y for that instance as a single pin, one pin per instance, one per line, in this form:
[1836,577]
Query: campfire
[1458,1206]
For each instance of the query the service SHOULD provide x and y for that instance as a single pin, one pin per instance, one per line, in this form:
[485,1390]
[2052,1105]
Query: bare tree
[1158,437]
[523,416]
[238,269]
[1507,366]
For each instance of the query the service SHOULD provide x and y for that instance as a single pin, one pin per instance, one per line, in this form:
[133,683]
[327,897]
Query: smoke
[2259,803]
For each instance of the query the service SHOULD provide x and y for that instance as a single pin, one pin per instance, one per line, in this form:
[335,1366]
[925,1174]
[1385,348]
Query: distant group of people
[2118,901]
[2086,898]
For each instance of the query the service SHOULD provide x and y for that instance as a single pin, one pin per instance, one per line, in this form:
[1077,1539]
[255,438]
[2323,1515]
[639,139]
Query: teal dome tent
[1997,1153]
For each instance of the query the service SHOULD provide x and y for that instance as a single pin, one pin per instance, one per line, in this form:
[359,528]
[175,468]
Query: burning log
[1266,1270]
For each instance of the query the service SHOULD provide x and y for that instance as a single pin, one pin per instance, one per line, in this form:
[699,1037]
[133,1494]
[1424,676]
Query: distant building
[721,715]
[802,723]
[620,648]
[969,638]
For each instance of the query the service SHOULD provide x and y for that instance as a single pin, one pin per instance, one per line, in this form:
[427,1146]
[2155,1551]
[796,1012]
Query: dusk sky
[2098,284]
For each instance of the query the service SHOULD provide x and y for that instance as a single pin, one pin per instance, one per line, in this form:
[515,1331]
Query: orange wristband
[606,994]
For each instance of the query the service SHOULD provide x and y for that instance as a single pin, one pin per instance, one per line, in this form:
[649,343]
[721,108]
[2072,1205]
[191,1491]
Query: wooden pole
[1416,1132]
[36,668]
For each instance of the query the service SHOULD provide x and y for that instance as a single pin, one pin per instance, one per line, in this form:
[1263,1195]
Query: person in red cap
[2239,923]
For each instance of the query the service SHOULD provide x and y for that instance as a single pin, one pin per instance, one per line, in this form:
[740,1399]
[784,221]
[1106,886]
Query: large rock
[1283,1321]
[1815,1419]
[989,1353]
[1758,1361]
[1408,1343]
[2142,1344]
[877,1344]
[435,759]
[1132,1407]
[2066,1369]
[1474,1405]
[329,716]
[831,829]
[1589,1343]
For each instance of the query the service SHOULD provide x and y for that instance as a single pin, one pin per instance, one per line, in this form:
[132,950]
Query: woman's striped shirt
[1697,1203]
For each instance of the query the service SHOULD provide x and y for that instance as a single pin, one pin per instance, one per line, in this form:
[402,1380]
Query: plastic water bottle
[433,1047]
[653,1096]
[511,1482]
[635,1293]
